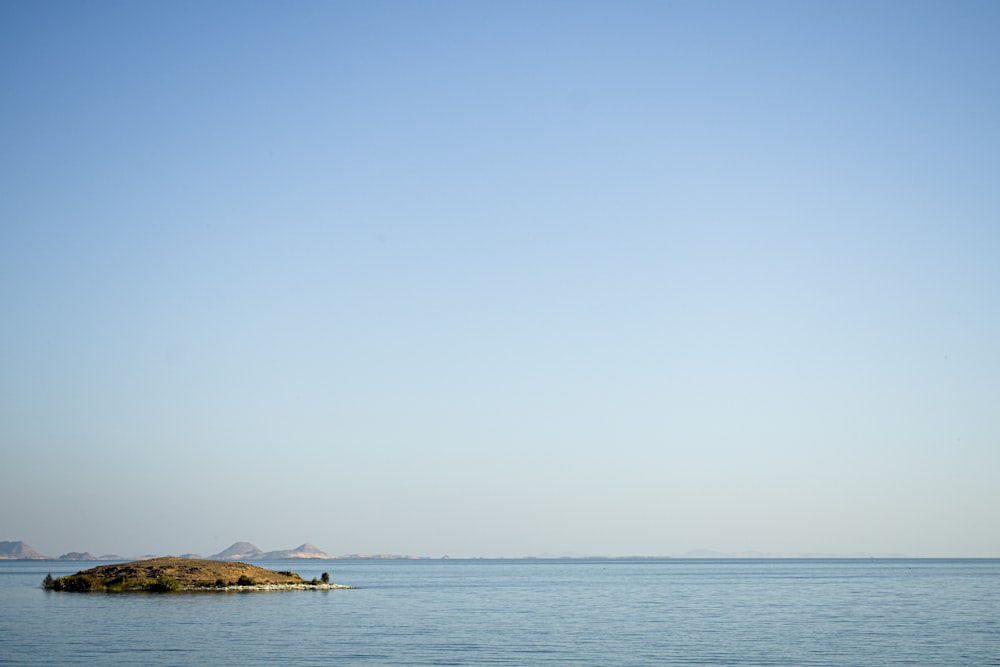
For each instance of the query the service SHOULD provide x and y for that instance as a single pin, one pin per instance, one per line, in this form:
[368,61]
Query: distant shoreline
[554,559]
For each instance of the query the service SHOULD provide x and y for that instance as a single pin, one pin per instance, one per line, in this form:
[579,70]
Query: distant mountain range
[243,551]
[247,551]
[238,551]
[21,551]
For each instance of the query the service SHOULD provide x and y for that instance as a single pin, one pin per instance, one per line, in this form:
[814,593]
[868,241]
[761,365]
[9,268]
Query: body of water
[528,612]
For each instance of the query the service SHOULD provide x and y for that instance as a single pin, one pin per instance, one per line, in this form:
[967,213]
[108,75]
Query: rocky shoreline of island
[269,587]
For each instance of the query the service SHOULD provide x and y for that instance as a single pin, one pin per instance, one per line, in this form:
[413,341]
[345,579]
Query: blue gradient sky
[500,279]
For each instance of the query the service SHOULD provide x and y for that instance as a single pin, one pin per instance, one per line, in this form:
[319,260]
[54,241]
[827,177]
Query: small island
[169,574]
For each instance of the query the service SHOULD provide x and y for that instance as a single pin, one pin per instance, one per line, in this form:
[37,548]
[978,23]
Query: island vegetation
[170,574]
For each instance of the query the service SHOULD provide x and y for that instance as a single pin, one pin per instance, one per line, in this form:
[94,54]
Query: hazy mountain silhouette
[18,551]
[248,551]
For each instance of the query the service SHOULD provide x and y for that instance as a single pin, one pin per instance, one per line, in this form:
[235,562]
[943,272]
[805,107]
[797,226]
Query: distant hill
[18,551]
[247,551]
[239,551]
[302,551]
[76,555]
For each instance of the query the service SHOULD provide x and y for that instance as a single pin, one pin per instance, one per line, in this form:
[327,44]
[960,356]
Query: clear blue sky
[500,279]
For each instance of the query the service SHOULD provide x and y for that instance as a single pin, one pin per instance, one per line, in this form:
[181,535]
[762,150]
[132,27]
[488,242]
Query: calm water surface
[528,612]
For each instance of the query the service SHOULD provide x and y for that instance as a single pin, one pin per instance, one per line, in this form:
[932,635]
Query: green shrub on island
[117,584]
[77,583]
[244,580]
[84,583]
[164,585]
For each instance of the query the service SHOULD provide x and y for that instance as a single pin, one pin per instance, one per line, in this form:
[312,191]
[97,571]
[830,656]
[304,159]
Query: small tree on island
[325,577]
